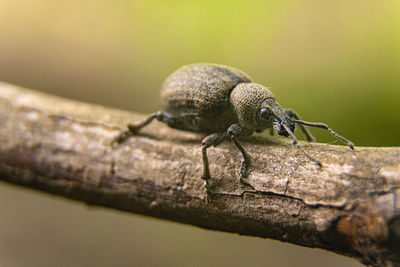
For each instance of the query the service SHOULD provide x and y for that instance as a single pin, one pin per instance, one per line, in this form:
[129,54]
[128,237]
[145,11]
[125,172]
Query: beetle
[224,103]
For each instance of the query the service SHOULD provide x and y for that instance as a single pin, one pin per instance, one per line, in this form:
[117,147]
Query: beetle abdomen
[201,89]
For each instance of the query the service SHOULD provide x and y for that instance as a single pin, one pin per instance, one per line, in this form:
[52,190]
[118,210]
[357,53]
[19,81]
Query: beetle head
[256,109]
[272,114]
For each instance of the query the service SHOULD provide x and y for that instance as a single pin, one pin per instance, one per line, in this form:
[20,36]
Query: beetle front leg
[326,127]
[234,132]
[292,114]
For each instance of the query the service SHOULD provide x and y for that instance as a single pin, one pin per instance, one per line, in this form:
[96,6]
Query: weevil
[224,103]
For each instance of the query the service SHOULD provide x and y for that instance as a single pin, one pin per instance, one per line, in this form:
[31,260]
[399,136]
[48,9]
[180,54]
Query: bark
[349,206]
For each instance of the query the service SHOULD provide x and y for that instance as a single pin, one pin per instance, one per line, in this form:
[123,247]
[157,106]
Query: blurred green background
[332,61]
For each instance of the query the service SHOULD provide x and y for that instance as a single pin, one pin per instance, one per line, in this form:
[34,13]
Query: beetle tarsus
[351,145]
[121,138]
[245,182]
[244,172]
[244,168]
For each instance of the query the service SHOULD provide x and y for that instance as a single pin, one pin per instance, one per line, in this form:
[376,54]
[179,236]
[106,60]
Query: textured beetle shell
[246,99]
[199,95]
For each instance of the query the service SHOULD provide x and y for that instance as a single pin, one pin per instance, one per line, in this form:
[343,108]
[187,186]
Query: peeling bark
[349,206]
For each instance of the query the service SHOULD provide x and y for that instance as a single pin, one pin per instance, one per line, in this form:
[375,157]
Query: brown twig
[350,206]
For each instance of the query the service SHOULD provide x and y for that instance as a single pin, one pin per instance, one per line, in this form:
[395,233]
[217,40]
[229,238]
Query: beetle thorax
[246,99]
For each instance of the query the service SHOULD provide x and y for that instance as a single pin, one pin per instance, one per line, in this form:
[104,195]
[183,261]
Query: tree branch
[350,206]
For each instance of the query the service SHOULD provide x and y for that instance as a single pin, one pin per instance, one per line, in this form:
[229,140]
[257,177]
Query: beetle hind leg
[133,129]
[165,117]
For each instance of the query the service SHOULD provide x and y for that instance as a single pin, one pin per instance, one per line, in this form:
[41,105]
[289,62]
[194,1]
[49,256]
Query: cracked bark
[349,206]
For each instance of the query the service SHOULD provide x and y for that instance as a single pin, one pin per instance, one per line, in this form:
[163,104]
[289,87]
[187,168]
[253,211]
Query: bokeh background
[332,61]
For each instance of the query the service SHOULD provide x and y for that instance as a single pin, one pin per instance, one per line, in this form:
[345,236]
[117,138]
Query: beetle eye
[265,113]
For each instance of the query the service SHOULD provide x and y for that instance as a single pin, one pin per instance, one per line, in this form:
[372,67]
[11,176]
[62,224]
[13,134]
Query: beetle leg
[235,131]
[324,126]
[292,114]
[132,129]
[294,142]
[171,120]
[211,140]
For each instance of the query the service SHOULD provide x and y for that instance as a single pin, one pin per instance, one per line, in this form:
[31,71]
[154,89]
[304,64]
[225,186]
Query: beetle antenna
[324,126]
[294,142]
